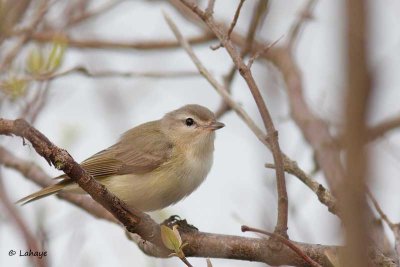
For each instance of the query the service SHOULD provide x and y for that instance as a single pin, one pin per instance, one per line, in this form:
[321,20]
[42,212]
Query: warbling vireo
[154,164]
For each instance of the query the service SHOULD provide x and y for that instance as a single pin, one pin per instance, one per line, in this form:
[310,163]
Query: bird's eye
[189,121]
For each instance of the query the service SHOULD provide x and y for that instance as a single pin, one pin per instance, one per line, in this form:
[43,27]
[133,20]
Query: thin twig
[379,209]
[257,18]
[263,51]
[285,241]
[37,103]
[94,13]
[223,106]
[232,26]
[105,44]
[235,19]
[110,73]
[210,8]
[323,194]
[395,227]
[382,128]
[305,14]
[378,130]
[186,262]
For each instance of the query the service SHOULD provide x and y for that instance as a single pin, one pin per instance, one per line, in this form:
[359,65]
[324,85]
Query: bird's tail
[52,189]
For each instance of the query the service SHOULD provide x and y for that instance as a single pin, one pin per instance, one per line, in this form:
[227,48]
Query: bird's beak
[215,125]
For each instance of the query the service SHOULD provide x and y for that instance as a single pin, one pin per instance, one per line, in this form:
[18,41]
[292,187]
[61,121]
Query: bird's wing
[140,150]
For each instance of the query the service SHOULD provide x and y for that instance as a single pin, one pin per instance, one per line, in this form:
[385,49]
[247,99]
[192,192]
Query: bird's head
[191,124]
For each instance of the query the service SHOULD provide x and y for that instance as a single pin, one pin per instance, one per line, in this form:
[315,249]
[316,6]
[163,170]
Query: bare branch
[395,227]
[315,131]
[45,37]
[110,73]
[285,241]
[94,13]
[323,194]
[305,15]
[281,226]
[37,103]
[264,51]
[231,27]
[379,209]
[382,128]
[186,262]
[210,8]
[258,14]
[351,192]
[235,19]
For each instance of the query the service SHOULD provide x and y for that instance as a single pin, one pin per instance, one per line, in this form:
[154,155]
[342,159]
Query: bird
[153,165]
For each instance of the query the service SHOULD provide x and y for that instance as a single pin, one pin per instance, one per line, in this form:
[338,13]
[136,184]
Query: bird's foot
[182,223]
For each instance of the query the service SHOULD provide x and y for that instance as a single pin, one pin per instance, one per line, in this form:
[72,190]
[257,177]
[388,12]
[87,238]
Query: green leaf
[56,55]
[35,61]
[14,87]
[171,238]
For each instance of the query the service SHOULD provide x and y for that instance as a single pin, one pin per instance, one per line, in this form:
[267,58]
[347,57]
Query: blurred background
[84,112]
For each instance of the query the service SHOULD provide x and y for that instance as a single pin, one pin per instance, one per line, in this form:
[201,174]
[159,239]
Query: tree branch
[231,27]
[272,139]
[110,73]
[382,128]
[351,193]
[323,194]
[285,241]
[44,37]
[259,12]
[395,227]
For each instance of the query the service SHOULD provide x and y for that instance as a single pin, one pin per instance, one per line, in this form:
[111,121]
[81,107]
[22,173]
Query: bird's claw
[182,223]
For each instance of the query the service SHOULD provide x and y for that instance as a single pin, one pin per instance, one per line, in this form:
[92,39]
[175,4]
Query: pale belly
[155,191]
